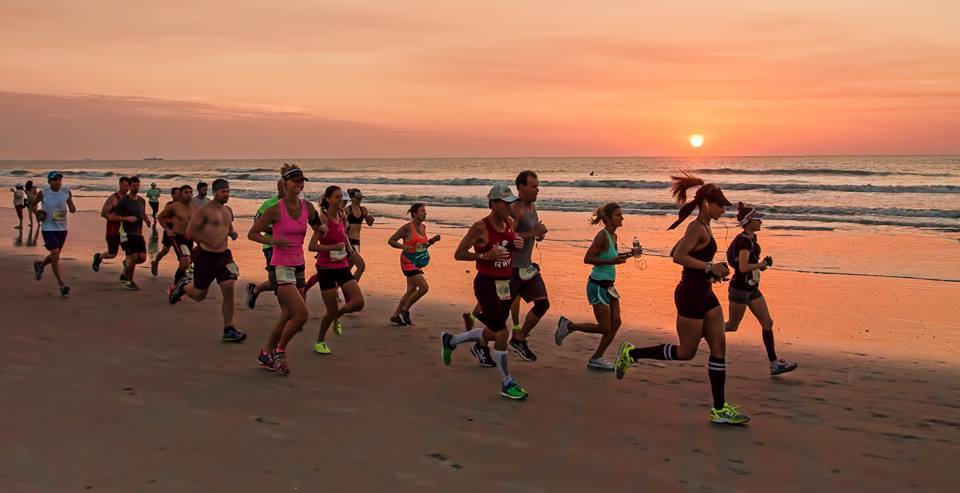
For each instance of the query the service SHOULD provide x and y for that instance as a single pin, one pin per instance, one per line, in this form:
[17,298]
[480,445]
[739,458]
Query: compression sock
[768,343]
[500,358]
[470,335]
[663,351]
[717,370]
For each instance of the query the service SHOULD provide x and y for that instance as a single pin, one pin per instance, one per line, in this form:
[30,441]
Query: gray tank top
[521,258]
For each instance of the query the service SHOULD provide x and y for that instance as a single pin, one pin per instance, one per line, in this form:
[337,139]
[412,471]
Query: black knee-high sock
[768,343]
[662,351]
[179,274]
[717,369]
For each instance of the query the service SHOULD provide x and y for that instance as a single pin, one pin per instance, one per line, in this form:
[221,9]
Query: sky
[109,79]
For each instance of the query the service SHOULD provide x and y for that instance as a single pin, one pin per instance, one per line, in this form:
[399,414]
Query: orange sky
[308,78]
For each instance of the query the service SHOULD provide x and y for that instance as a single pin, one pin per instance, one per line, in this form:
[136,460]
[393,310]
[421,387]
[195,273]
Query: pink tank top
[292,230]
[334,259]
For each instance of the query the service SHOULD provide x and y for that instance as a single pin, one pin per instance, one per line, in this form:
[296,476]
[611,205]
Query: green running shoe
[337,327]
[624,361]
[728,415]
[446,348]
[322,348]
[513,391]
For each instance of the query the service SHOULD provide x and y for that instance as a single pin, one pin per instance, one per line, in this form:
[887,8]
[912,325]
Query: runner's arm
[599,245]
[70,206]
[259,227]
[369,218]
[400,234]
[476,233]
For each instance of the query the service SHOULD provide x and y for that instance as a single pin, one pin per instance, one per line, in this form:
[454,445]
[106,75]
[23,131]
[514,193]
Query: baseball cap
[355,193]
[54,175]
[747,214]
[501,192]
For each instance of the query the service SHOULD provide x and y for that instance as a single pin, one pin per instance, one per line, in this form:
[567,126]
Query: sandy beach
[109,390]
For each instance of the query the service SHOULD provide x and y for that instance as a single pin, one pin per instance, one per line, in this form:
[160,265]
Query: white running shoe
[600,364]
[563,330]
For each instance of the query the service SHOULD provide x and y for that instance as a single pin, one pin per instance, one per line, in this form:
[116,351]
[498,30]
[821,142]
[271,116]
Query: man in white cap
[492,239]
[57,200]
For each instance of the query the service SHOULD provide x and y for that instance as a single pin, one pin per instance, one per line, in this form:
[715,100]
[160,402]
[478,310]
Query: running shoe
[280,363]
[728,415]
[321,348]
[563,330]
[97,259]
[446,347]
[231,334]
[781,366]
[397,321]
[131,286]
[624,360]
[123,277]
[38,270]
[600,364]
[251,296]
[406,317]
[523,350]
[64,290]
[154,268]
[482,353]
[512,390]
[265,360]
[337,327]
[178,291]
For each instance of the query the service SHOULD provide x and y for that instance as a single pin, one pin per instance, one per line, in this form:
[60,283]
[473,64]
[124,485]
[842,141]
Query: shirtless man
[211,226]
[174,220]
[113,223]
[167,236]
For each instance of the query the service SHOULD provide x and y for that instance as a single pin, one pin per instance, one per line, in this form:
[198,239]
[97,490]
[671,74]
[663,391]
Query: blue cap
[54,175]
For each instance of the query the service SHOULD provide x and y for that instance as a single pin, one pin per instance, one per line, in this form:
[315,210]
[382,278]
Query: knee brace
[540,307]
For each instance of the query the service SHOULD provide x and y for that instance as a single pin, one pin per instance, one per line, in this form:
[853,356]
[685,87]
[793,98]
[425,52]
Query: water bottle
[636,245]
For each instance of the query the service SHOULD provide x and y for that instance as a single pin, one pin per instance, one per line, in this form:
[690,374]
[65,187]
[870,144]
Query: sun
[696,140]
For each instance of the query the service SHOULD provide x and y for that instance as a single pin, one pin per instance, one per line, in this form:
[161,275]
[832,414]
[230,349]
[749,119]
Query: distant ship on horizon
[154,158]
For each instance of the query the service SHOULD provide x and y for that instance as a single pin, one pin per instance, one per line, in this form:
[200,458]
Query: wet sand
[109,390]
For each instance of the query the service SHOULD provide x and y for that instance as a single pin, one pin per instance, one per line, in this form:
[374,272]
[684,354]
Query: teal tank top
[606,272]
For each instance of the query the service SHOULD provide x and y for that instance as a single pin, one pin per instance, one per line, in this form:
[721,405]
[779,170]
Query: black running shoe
[131,286]
[406,317]
[233,335]
[251,296]
[64,290]
[523,350]
[397,321]
[178,291]
[482,353]
[265,360]
[97,260]
[38,270]
[154,266]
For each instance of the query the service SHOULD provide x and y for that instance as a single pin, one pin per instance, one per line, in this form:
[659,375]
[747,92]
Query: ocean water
[875,197]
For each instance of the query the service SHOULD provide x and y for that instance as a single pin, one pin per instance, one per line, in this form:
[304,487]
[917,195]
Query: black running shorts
[213,266]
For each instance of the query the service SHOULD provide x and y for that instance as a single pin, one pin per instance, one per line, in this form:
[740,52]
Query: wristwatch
[709,267]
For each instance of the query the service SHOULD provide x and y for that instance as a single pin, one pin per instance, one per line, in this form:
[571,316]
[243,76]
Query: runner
[357,265]
[31,195]
[356,216]
[492,240]
[526,277]
[167,236]
[254,290]
[283,226]
[333,267]
[413,258]
[699,315]
[211,226]
[744,255]
[153,197]
[201,199]
[601,294]
[174,220]
[19,202]
[132,210]
[57,200]
[108,212]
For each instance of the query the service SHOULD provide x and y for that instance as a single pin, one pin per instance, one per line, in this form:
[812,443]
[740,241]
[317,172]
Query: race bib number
[754,278]
[613,292]
[338,254]
[286,274]
[503,289]
[185,250]
[529,272]
[59,215]
[233,268]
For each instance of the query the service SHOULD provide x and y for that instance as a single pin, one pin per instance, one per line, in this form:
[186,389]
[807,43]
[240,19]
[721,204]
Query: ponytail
[679,190]
[604,213]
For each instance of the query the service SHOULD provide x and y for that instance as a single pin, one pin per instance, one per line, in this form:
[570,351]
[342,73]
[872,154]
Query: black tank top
[704,254]
[351,219]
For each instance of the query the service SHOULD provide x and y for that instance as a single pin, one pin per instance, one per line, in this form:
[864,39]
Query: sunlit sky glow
[309,78]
